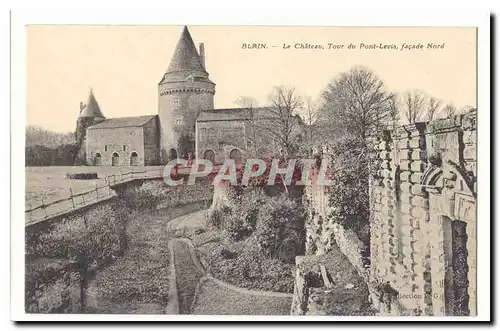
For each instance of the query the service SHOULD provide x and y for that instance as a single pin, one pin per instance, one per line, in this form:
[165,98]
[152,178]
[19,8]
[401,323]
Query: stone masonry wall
[425,185]
[422,223]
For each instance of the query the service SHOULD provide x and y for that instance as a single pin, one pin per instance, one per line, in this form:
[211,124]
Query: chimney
[202,55]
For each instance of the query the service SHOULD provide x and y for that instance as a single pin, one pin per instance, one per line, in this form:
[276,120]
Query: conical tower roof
[185,56]
[91,108]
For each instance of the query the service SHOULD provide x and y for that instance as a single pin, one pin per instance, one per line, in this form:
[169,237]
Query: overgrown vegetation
[348,194]
[86,243]
[263,236]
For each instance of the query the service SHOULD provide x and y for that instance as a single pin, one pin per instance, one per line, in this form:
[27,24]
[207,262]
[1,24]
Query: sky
[123,64]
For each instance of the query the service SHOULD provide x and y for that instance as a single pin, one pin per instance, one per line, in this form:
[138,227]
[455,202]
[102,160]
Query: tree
[394,113]
[281,123]
[449,110]
[310,114]
[250,104]
[355,102]
[432,107]
[413,103]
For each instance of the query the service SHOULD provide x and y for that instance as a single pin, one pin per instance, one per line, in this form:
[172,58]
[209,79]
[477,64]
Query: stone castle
[186,125]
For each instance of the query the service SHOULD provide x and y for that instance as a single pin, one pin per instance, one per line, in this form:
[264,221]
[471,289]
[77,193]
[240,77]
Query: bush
[217,216]
[249,269]
[280,227]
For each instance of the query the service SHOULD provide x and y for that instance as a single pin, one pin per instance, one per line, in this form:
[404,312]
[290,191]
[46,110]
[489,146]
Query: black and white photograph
[183,171]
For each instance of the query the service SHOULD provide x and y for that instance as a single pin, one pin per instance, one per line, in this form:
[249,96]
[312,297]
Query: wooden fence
[48,210]
[74,201]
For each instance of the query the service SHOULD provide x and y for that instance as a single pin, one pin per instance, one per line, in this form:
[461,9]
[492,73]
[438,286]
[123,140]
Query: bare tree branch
[413,103]
[432,107]
[283,127]
[449,110]
[250,104]
[355,102]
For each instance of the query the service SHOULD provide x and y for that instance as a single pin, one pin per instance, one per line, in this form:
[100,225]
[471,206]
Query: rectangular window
[203,134]
[178,120]
[106,148]
[124,148]
[177,103]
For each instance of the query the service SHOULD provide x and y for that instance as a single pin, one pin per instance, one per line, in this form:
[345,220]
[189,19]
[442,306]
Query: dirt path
[187,276]
[199,293]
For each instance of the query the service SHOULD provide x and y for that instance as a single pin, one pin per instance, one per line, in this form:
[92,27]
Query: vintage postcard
[200,170]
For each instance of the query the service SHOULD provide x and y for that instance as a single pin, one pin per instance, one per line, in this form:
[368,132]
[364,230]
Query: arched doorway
[115,160]
[451,211]
[209,155]
[172,154]
[134,159]
[97,159]
[235,154]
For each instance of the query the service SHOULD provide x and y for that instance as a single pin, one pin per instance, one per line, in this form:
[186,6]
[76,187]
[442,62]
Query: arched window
[235,154]
[115,160]
[209,155]
[97,159]
[172,154]
[134,159]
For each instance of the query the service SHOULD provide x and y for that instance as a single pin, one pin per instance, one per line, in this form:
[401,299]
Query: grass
[140,279]
[213,299]
[50,183]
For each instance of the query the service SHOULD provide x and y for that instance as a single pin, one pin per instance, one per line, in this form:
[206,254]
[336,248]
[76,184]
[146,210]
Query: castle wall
[132,138]
[232,134]
[422,223]
[424,187]
[151,142]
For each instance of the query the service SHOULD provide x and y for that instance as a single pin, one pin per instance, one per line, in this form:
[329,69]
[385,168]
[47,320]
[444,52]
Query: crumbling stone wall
[340,252]
[423,190]
[322,232]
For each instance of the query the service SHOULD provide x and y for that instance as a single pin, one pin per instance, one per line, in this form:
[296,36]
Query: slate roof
[229,114]
[123,122]
[185,56]
[91,108]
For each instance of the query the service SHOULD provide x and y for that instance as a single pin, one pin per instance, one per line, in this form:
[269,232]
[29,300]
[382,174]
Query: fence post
[96,193]
[43,207]
[72,197]
[83,199]
[29,213]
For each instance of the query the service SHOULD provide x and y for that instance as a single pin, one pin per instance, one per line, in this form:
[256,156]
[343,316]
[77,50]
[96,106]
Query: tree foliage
[40,155]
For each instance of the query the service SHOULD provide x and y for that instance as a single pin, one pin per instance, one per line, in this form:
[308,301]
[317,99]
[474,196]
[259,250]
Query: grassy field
[50,183]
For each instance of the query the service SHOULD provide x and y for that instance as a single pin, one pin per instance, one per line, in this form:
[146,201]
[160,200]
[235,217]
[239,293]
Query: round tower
[183,92]
[90,114]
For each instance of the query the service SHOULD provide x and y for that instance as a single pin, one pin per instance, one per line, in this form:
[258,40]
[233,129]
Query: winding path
[199,293]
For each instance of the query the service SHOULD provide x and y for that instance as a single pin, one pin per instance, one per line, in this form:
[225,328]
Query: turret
[184,90]
[90,114]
